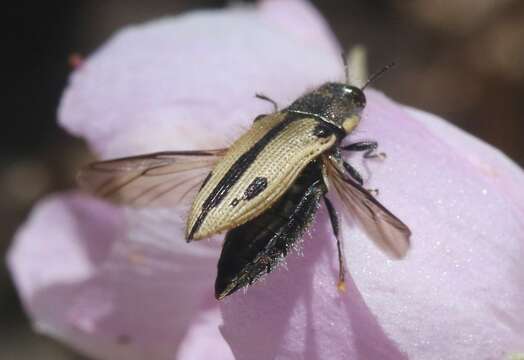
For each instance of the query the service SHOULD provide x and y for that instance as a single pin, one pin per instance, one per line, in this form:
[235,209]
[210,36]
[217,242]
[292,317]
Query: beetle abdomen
[256,247]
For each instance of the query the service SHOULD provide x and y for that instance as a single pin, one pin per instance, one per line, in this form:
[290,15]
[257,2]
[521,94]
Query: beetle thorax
[336,103]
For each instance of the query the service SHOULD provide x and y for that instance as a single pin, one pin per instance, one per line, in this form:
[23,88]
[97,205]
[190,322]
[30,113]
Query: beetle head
[352,102]
[336,103]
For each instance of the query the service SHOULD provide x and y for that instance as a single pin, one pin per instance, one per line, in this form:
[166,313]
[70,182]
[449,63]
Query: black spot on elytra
[234,202]
[256,187]
[237,170]
[259,245]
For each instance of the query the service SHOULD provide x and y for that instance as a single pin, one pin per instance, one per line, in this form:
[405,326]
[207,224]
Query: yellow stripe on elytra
[280,161]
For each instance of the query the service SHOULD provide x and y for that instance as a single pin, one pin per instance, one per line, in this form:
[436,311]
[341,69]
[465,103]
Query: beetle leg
[343,167]
[332,216]
[358,178]
[351,171]
[341,261]
[264,97]
[369,147]
[373,192]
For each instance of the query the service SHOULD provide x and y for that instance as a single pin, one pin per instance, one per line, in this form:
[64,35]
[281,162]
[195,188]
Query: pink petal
[459,294]
[155,86]
[203,339]
[486,158]
[108,296]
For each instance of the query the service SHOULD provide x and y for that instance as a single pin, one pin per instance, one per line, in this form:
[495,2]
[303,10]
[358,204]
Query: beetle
[265,189]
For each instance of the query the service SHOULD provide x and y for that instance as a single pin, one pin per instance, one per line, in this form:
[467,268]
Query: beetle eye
[360,99]
[356,96]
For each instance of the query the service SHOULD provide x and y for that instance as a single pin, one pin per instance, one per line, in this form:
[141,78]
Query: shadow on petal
[299,313]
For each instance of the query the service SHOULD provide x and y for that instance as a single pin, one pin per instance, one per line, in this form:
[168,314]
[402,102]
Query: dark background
[461,59]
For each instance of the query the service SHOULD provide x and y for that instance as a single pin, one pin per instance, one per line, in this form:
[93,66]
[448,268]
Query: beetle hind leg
[333,217]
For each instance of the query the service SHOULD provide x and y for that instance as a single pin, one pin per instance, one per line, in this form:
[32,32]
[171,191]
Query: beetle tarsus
[372,154]
[341,285]
[264,97]
[374,192]
[369,147]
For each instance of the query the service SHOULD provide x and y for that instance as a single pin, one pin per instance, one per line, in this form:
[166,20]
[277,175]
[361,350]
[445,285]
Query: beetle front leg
[333,217]
[369,147]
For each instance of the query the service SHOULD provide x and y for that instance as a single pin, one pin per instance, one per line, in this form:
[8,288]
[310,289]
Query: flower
[122,284]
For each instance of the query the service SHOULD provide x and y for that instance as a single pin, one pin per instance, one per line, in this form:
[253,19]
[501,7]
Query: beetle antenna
[378,74]
[346,67]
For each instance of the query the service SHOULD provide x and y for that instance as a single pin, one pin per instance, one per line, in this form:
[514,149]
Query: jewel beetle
[265,189]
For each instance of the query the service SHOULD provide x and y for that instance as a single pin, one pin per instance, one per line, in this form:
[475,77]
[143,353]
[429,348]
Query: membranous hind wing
[256,247]
[387,231]
[160,179]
